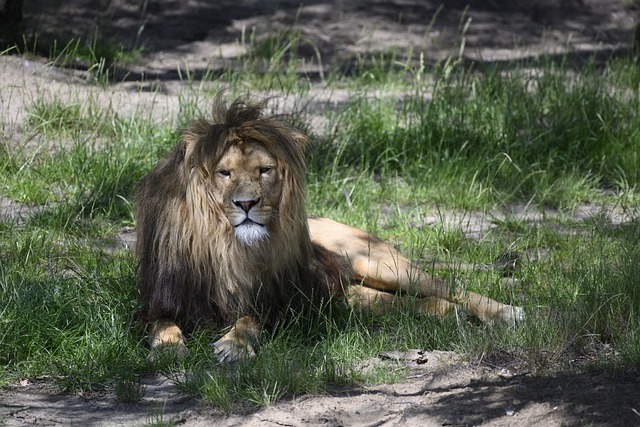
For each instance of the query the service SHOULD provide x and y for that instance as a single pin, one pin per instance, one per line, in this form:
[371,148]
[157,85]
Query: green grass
[271,63]
[439,139]
[101,58]
[67,309]
[495,137]
[89,159]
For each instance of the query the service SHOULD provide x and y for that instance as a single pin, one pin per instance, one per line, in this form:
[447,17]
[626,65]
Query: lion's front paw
[510,315]
[228,351]
[166,341]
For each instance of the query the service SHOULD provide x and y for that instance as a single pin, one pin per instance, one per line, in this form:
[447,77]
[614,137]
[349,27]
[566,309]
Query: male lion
[223,238]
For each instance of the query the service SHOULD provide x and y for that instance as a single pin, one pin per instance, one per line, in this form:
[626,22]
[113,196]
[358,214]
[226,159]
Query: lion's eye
[265,170]
[224,172]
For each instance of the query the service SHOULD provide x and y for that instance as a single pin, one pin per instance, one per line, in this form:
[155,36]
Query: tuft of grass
[156,418]
[97,55]
[101,58]
[129,388]
[272,63]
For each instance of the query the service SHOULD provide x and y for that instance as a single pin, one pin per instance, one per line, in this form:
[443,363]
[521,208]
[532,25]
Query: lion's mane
[192,269]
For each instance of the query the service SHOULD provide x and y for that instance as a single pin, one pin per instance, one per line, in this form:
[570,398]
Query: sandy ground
[441,388]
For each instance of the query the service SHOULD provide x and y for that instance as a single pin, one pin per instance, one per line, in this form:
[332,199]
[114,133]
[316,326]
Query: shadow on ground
[208,37]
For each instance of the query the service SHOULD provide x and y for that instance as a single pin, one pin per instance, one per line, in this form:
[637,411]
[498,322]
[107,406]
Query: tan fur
[223,238]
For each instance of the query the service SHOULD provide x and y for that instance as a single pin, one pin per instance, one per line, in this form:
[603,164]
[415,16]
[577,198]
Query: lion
[224,240]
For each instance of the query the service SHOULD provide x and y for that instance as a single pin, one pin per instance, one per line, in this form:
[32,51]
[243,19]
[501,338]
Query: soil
[442,388]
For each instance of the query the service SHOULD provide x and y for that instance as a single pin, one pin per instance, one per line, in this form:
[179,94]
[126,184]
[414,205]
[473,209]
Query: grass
[271,63]
[480,134]
[71,315]
[101,58]
[445,139]
[83,169]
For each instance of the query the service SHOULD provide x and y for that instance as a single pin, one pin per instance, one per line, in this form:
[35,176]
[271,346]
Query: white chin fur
[251,233]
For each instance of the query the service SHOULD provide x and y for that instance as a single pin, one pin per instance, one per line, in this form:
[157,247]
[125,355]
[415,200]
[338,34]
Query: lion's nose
[246,205]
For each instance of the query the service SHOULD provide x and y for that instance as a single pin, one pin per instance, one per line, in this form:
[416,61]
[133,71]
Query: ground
[442,388]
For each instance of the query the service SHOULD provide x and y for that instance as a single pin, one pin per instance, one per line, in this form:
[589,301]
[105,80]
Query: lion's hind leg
[380,302]
[394,274]
[378,265]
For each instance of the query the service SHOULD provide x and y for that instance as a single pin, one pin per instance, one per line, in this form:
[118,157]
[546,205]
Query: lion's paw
[229,352]
[510,315]
[166,341]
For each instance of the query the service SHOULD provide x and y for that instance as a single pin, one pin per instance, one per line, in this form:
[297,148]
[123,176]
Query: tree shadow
[604,399]
[340,33]
[571,397]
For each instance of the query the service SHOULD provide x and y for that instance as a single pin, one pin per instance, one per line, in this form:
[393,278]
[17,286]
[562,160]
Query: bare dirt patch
[441,388]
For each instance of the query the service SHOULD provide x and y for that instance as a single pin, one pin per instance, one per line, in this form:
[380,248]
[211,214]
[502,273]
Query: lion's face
[248,183]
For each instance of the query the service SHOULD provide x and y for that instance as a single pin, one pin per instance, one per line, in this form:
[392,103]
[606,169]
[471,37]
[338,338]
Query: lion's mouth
[249,221]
